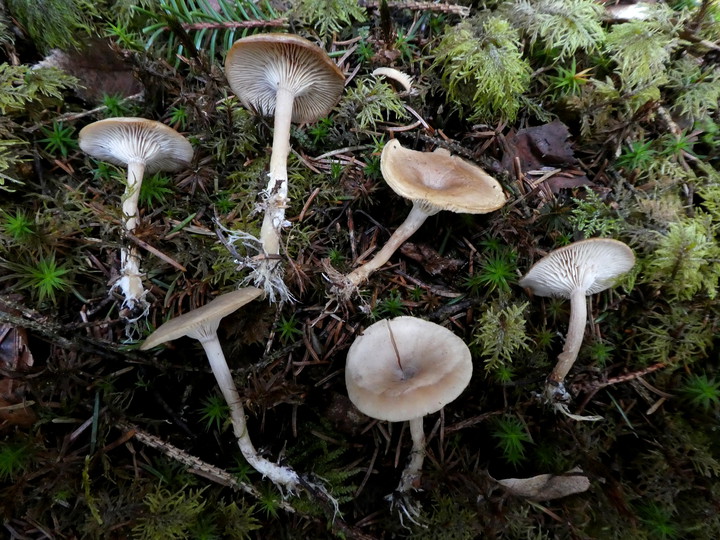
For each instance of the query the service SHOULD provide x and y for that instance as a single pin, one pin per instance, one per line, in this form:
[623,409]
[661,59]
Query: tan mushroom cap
[440,180]
[136,140]
[591,265]
[436,368]
[256,66]
[203,320]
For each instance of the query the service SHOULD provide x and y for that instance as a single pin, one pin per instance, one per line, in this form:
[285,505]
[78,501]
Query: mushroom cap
[439,180]
[203,320]
[436,368]
[136,140]
[591,265]
[256,66]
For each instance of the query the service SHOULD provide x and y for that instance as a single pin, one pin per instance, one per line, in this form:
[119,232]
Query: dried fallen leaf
[15,356]
[99,68]
[545,487]
[544,146]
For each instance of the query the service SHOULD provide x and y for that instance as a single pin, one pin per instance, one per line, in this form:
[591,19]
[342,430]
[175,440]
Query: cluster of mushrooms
[399,369]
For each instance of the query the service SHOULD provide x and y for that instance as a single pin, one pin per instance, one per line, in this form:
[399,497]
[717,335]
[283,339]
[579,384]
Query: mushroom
[294,80]
[576,271]
[202,324]
[391,73]
[433,181]
[141,145]
[403,369]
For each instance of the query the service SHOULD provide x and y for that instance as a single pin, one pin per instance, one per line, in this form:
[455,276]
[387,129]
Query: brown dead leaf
[545,487]
[15,353]
[544,146]
[99,69]
[15,356]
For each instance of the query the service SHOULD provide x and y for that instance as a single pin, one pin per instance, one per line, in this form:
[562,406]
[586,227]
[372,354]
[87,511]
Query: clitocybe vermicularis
[576,271]
[202,324]
[403,369]
[432,181]
[142,146]
[293,80]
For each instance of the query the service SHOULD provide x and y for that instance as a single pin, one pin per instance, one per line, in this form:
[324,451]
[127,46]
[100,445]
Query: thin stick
[394,345]
[196,465]
[156,252]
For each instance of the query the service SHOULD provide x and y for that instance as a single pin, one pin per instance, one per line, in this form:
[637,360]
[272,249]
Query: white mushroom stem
[573,341]
[130,282]
[136,171]
[412,223]
[277,187]
[413,470]
[281,476]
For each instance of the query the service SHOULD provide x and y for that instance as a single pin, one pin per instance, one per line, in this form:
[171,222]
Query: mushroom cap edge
[593,264]
[208,315]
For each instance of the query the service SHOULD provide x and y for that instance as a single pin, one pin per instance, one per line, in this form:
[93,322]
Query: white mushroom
[202,324]
[294,80]
[576,271]
[432,181]
[403,369]
[142,146]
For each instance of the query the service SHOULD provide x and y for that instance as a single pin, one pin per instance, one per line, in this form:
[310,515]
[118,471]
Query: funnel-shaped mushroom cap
[591,265]
[439,180]
[256,66]
[136,140]
[203,321]
[434,368]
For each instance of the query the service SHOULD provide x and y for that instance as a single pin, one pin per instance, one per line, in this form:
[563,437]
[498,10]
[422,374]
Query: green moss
[697,87]
[370,102]
[563,25]
[685,261]
[21,85]
[14,459]
[11,155]
[327,16]
[701,391]
[592,217]
[169,515]
[482,68]
[54,23]
[680,335]
[43,277]
[500,334]
[512,437]
[642,50]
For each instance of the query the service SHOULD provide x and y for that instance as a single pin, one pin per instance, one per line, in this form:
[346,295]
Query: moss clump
[562,25]
[482,68]
[54,23]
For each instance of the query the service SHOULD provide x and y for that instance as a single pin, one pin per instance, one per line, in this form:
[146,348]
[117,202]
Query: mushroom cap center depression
[440,180]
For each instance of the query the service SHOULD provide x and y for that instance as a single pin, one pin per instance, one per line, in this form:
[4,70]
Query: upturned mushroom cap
[439,180]
[436,368]
[591,265]
[136,140]
[202,321]
[256,66]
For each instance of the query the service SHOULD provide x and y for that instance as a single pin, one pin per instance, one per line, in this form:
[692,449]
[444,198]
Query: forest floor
[595,122]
